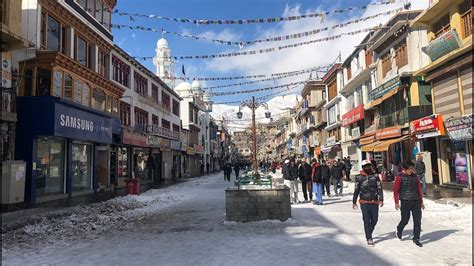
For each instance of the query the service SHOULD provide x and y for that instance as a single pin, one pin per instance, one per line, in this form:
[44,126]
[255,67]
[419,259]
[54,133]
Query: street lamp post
[253,105]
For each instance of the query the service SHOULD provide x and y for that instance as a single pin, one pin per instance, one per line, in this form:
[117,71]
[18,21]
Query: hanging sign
[353,116]
[430,126]
[460,128]
[389,132]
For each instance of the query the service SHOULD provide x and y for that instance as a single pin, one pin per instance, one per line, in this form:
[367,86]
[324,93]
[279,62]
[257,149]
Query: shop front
[331,149]
[66,147]
[134,154]
[353,122]
[177,159]
[456,152]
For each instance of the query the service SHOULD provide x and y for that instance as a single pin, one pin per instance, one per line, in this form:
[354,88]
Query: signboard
[430,126]
[355,132]
[442,45]
[131,138]
[460,128]
[353,116]
[384,88]
[73,123]
[389,132]
[331,141]
[367,140]
[6,70]
[175,145]
[198,149]
[190,150]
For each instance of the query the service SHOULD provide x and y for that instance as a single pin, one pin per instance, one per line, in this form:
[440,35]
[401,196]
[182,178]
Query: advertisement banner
[175,145]
[353,116]
[198,149]
[460,128]
[430,126]
[135,139]
[6,69]
[355,133]
[73,123]
[384,88]
[442,45]
[389,132]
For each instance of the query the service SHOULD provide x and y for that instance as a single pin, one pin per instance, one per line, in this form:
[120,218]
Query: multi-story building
[314,92]
[243,144]
[68,145]
[396,96]
[11,14]
[449,73]
[150,118]
[333,80]
[190,107]
[357,83]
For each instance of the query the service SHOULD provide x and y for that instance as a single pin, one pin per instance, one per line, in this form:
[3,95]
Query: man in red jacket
[407,188]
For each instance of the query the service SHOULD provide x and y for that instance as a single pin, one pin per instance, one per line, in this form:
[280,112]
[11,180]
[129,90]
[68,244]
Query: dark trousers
[370,216]
[236,173]
[327,185]
[307,187]
[227,176]
[413,206]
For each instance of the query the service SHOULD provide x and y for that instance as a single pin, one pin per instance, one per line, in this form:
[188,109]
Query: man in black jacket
[325,173]
[369,189]
[304,173]
[337,172]
[348,167]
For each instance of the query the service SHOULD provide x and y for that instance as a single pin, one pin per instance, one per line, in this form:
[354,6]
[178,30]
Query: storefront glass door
[457,158]
[123,169]
[50,166]
[81,167]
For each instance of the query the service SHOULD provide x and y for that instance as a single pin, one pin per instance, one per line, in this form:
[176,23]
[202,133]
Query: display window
[81,167]
[458,163]
[143,164]
[50,160]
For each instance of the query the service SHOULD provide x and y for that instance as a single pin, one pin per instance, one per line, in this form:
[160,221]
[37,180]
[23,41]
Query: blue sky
[142,43]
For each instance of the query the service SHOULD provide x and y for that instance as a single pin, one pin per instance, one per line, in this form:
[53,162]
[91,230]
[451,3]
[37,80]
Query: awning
[383,145]
[369,147]
[383,98]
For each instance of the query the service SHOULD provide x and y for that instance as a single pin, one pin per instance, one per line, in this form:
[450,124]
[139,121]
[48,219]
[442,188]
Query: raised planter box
[248,205]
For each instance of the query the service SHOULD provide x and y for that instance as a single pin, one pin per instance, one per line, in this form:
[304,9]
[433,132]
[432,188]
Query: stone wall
[247,205]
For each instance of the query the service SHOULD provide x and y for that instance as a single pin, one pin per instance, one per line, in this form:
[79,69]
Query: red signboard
[134,139]
[389,132]
[198,148]
[353,116]
[429,123]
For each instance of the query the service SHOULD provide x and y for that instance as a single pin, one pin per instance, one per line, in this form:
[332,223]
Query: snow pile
[87,221]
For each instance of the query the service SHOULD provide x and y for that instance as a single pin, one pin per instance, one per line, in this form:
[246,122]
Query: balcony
[466,22]
[8,105]
[394,119]
[162,132]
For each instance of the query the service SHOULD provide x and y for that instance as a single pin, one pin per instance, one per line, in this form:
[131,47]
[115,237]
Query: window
[386,64]
[85,94]
[154,93]
[349,73]
[108,107]
[332,115]
[67,87]
[125,113]
[466,18]
[401,55]
[103,64]
[368,58]
[77,91]
[332,90]
[53,35]
[120,71]
[165,124]
[155,120]
[141,84]
[165,98]
[63,40]
[50,166]
[175,128]
[98,99]
[81,51]
[176,107]
[90,7]
[43,84]
[43,30]
[191,116]
[441,26]
[141,116]
[106,17]
[99,11]
[58,84]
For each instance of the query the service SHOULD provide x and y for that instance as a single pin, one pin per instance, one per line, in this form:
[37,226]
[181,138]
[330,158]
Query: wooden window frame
[125,112]
[176,127]
[166,102]
[386,63]
[141,116]
[349,73]
[465,10]
[155,120]
[121,71]
[76,37]
[165,124]
[155,93]
[175,106]
[140,84]
[401,54]
[368,58]
[442,25]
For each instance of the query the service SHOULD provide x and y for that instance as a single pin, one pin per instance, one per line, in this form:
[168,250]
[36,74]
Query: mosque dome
[162,43]
[183,89]
[196,87]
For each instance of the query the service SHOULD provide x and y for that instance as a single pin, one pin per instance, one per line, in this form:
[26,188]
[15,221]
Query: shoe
[398,235]
[320,203]
[370,242]
[417,242]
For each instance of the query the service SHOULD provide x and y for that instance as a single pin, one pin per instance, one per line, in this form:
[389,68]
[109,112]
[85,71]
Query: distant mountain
[276,106]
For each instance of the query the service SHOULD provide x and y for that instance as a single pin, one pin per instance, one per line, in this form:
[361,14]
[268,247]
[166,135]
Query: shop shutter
[447,97]
[466,81]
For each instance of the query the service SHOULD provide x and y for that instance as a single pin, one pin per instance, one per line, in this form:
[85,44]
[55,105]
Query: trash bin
[132,186]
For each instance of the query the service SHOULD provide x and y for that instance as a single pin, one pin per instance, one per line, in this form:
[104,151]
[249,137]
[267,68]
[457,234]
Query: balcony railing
[8,100]
[162,132]
[393,119]
[466,19]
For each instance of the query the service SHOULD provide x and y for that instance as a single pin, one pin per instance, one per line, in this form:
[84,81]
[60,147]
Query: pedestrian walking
[420,171]
[326,177]
[317,182]
[368,189]
[407,189]
[208,167]
[348,167]
[202,168]
[304,173]
[290,173]
[227,171]
[337,173]
[236,169]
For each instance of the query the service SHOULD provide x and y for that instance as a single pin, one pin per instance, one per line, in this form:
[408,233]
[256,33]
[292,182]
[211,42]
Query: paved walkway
[192,230]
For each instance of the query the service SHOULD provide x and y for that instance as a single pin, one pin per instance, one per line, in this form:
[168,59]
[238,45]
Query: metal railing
[163,132]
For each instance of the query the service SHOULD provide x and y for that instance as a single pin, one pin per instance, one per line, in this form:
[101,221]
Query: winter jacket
[315,173]
[407,187]
[227,168]
[347,165]
[286,172]
[368,188]
[420,167]
[293,172]
[337,171]
[325,172]
[236,167]
[304,172]
[301,172]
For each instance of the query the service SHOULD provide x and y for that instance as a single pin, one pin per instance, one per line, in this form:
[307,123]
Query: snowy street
[184,224]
